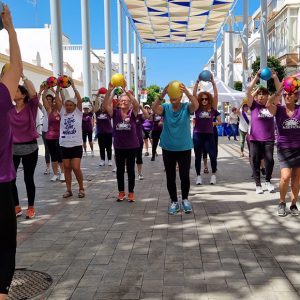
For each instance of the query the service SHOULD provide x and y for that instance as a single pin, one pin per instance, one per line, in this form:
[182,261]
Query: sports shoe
[282,209]
[213,179]
[92,153]
[121,196]
[102,163]
[174,208]
[187,208]
[294,210]
[54,178]
[152,158]
[47,171]
[259,190]
[84,154]
[30,213]
[130,197]
[62,177]
[140,176]
[18,211]
[110,163]
[146,153]
[114,169]
[199,180]
[270,187]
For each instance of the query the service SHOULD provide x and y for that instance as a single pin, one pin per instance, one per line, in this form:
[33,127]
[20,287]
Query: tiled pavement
[233,245]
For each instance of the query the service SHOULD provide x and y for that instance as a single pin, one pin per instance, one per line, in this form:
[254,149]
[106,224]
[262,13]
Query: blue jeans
[235,131]
[204,142]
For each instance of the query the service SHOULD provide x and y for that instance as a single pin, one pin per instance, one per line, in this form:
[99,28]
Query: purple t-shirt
[87,120]
[148,124]
[125,136]
[139,128]
[262,123]
[23,123]
[157,119]
[204,121]
[103,121]
[53,126]
[7,169]
[288,128]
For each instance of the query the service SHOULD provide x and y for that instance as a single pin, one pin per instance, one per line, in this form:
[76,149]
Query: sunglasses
[288,94]
[204,99]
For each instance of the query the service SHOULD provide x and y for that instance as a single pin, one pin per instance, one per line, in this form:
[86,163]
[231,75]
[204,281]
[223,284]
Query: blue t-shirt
[176,133]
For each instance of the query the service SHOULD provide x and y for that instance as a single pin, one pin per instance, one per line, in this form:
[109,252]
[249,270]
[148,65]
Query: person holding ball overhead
[176,141]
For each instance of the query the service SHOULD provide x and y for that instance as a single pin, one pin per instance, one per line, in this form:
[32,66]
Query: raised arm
[134,102]
[194,104]
[12,76]
[216,95]
[97,103]
[29,86]
[42,88]
[273,101]
[249,93]
[156,106]
[58,101]
[45,101]
[277,83]
[107,102]
[146,115]
[77,95]
[195,90]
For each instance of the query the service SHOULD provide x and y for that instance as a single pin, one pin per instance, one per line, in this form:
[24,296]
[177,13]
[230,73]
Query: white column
[231,53]
[56,38]
[136,69]
[128,31]
[223,73]
[120,37]
[140,64]
[245,44]
[263,37]
[86,47]
[216,59]
[107,33]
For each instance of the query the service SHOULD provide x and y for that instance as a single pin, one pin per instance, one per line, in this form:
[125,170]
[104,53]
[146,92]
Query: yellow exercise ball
[118,80]
[5,68]
[174,90]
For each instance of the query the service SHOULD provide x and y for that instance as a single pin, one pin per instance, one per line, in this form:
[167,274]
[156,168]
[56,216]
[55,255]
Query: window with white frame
[281,35]
[293,30]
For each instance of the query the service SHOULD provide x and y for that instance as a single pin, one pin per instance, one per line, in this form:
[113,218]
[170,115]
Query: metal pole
[141,65]
[231,54]
[136,71]
[128,31]
[56,38]
[245,44]
[215,59]
[223,73]
[86,47]
[120,37]
[107,41]
[263,37]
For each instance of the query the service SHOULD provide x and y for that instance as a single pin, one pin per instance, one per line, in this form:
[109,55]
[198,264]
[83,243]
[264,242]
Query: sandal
[206,170]
[67,194]
[81,194]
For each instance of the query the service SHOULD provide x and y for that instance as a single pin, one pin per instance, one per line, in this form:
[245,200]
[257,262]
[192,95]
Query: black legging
[105,143]
[125,156]
[29,163]
[216,137]
[258,151]
[8,234]
[47,152]
[183,158]
[155,139]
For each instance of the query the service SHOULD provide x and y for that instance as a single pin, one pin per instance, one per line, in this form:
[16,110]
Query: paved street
[233,245]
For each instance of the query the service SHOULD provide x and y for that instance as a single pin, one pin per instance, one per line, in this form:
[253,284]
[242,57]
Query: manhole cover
[27,284]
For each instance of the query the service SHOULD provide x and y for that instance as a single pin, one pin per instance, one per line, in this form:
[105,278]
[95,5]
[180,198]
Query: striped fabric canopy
[178,21]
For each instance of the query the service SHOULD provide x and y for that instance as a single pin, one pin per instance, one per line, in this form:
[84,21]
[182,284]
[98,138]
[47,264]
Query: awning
[178,21]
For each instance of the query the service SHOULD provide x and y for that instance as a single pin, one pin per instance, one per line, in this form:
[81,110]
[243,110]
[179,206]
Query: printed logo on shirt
[69,127]
[291,124]
[123,126]
[102,117]
[264,113]
[204,115]
[157,118]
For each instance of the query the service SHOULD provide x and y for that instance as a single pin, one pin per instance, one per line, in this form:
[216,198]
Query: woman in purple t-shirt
[288,148]
[126,141]
[261,135]
[203,133]
[88,126]
[147,128]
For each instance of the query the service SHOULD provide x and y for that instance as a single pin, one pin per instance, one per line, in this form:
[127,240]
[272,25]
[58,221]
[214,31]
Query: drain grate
[27,284]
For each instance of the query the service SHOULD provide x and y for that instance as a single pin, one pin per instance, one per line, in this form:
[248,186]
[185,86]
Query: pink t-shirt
[7,169]
[53,126]
[23,123]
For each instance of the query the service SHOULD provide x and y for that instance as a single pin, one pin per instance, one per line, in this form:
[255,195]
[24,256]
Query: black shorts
[88,134]
[72,152]
[289,158]
[54,149]
[146,134]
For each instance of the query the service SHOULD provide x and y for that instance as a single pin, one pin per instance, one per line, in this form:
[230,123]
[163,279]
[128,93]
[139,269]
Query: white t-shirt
[243,124]
[70,128]
[233,118]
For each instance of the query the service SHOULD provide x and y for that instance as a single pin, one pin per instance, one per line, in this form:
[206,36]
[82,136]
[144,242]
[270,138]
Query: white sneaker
[84,154]
[213,179]
[62,177]
[199,180]
[141,177]
[92,153]
[114,169]
[102,163]
[54,178]
[110,163]
[259,190]
[270,187]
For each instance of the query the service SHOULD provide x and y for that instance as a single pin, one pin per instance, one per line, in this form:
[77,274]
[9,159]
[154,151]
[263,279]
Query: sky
[163,65]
